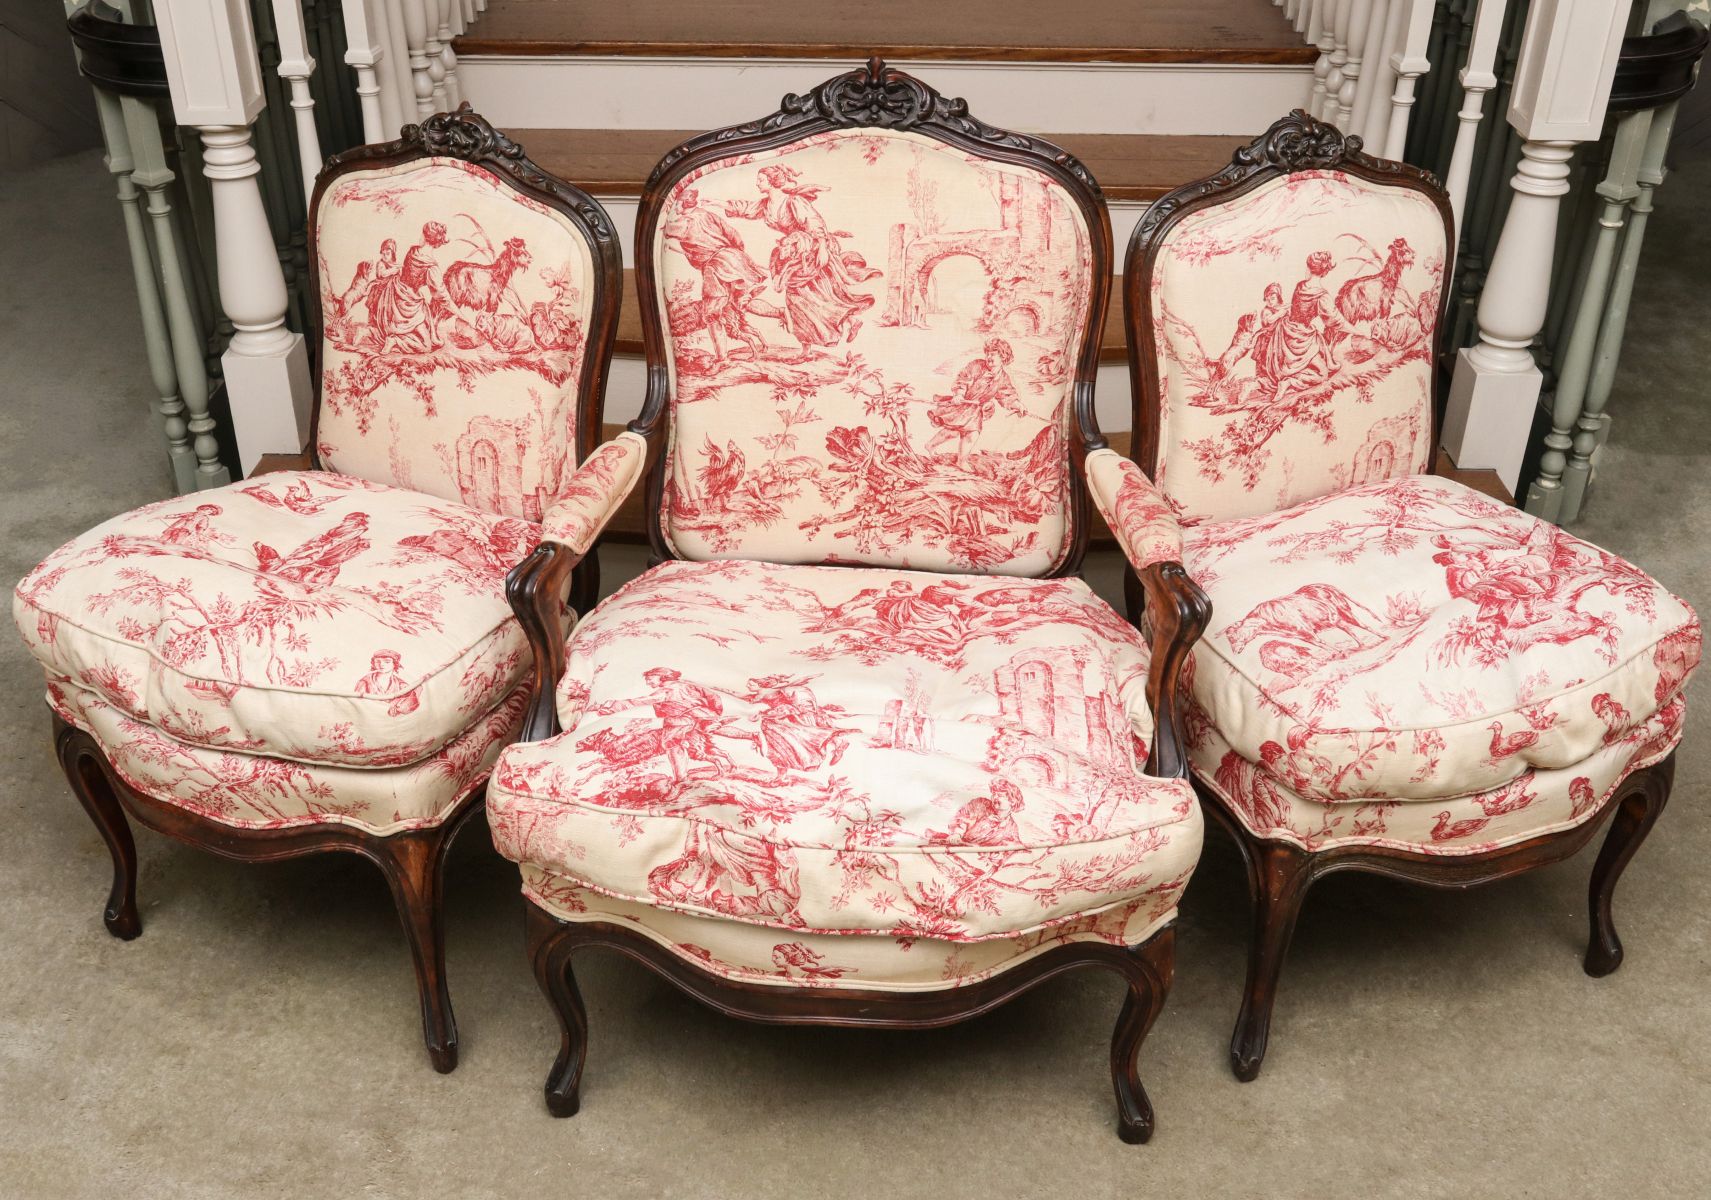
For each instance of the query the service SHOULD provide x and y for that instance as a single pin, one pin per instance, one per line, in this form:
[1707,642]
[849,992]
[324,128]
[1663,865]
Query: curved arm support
[536,586]
[1175,608]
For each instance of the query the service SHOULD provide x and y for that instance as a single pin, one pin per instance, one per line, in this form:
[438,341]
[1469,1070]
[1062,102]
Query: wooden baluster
[1477,78]
[295,67]
[1593,425]
[1360,19]
[1407,64]
[1618,189]
[365,53]
[1567,63]
[416,35]
[450,25]
[433,53]
[150,172]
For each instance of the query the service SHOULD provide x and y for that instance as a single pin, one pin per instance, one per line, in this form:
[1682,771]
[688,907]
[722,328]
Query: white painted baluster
[1408,63]
[398,53]
[1339,22]
[295,67]
[416,36]
[1378,77]
[450,24]
[1360,19]
[1562,85]
[215,78]
[433,51]
[365,52]
[1319,34]
[1618,189]
[1477,78]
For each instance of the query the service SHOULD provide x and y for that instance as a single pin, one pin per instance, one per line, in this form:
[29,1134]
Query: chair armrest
[1159,589]
[596,489]
[1135,509]
[536,586]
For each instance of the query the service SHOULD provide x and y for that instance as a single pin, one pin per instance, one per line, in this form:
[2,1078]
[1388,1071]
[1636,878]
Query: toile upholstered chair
[861,749]
[325,659]
[1401,675]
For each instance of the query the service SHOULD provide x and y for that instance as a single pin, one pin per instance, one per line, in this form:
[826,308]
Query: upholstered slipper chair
[902,789]
[1401,675]
[325,659]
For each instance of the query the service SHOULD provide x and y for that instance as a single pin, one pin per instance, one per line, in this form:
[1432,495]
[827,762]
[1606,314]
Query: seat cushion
[750,953]
[251,792]
[305,615]
[843,750]
[1413,640]
[1534,803]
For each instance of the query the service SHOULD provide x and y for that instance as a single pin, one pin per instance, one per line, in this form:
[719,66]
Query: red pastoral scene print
[455,318]
[1295,352]
[871,337]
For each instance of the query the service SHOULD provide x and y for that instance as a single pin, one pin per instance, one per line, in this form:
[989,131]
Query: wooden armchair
[861,749]
[325,660]
[1403,676]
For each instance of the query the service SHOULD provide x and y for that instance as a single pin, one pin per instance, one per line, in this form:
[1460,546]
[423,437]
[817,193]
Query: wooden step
[1113,349]
[1129,166]
[1122,31]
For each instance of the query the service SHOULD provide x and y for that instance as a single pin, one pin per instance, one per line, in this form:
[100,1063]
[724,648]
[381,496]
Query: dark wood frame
[412,861]
[871,96]
[1281,872]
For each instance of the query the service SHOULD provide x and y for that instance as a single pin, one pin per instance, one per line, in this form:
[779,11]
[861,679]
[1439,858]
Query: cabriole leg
[414,865]
[1154,964]
[1278,878]
[1637,810]
[80,758]
[550,945]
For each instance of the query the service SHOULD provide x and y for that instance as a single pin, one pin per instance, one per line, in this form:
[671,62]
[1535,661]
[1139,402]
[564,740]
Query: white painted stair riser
[595,92]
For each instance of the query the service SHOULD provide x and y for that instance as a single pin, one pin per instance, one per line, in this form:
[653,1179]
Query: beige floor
[261,1039]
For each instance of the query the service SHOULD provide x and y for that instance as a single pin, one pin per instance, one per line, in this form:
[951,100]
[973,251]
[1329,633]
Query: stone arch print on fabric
[1294,354]
[872,339]
[452,342]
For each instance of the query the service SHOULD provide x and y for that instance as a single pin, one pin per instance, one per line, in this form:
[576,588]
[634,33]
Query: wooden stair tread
[1114,348]
[1128,166]
[1128,31]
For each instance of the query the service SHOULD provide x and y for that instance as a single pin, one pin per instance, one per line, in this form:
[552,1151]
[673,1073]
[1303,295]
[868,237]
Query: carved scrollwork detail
[1297,142]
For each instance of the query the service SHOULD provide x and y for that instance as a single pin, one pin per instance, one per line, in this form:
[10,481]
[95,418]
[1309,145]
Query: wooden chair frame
[1281,872]
[412,861]
[871,96]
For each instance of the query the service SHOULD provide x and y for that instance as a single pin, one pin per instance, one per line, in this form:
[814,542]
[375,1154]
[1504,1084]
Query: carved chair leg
[1154,964]
[1638,808]
[1278,878]
[550,945]
[414,865]
[80,759]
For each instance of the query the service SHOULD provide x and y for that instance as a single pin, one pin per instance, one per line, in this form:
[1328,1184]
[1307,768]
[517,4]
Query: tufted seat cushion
[836,750]
[306,615]
[1415,640]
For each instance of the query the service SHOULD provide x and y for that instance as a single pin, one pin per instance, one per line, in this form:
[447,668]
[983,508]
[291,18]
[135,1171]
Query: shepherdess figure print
[902,384]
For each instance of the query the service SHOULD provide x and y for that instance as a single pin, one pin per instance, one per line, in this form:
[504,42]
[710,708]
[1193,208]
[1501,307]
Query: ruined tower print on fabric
[453,340]
[1295,350]
[857,374]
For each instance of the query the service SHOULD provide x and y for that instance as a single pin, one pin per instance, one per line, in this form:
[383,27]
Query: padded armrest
[1136,510]
[594,492]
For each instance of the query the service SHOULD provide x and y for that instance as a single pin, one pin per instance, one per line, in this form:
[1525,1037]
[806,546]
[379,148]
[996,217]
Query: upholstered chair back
[870,325]
[1283,322]
[465,300]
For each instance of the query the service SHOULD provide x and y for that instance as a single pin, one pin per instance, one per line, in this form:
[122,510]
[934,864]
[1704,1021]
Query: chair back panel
[456,313]
[1288,328]
[872,339]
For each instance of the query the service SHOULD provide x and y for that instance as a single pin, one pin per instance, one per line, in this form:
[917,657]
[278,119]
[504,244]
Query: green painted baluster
[1593,425]
[142,125]
[1618,189]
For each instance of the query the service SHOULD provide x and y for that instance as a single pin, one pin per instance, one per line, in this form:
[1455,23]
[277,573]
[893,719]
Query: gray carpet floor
[261,1038]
